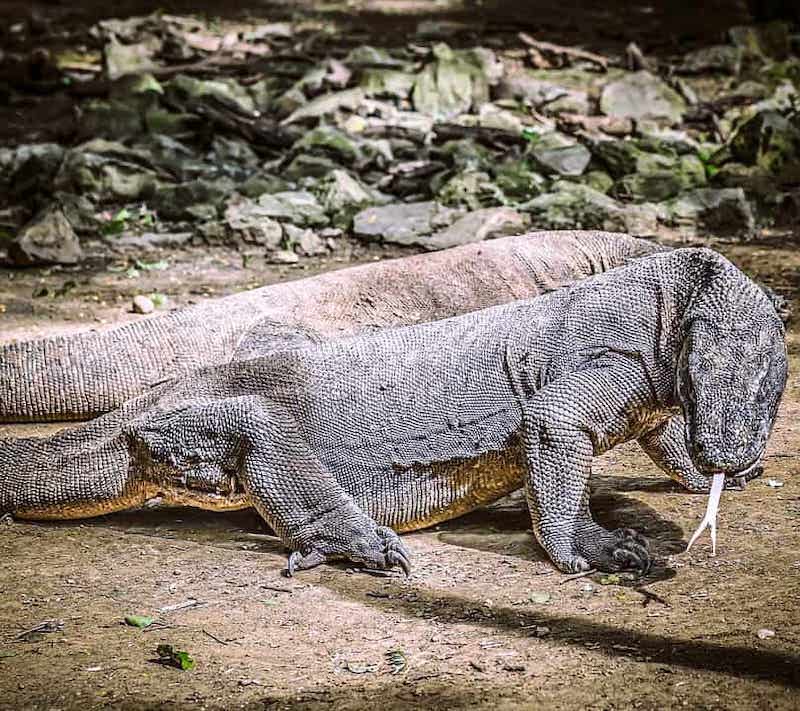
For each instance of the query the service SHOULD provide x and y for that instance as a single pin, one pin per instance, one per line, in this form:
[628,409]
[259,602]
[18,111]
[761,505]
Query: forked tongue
[710,519]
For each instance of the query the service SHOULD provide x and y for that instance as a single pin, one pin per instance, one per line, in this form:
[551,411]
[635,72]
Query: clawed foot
[624,549]
[381,549]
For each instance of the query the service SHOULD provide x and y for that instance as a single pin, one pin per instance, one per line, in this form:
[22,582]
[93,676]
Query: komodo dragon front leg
[666,447]
[260,445]
[565,425]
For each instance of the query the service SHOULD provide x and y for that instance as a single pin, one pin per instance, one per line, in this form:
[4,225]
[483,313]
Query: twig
[191,602]
[216,639]
[45,626]
[277,588]
[576,576]
[261,537]
[573,52]
[648,596]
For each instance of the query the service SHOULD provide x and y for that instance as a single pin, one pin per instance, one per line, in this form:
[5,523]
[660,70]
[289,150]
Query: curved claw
[398,558]
[298,561]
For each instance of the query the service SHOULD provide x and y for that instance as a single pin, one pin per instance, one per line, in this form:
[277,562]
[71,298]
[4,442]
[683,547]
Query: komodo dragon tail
[76,473]
[83,375]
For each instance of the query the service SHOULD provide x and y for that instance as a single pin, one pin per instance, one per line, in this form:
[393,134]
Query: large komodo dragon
[83,375]
[335,443]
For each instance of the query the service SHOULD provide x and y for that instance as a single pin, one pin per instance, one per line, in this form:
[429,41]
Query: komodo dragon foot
[381,549]
[623,549]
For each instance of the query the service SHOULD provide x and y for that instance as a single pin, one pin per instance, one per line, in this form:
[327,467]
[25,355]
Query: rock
[573,206]
[492,116]
[110,119]
[717,58]
[518,180]
[403,223]
[142,304]
[328,141]
[349,99]
[464,154]
[662,179]
[471,189]
[305,241]
[122,59]
[723,212]
[559,154]
[598,180]
[450,85]
[47,239]
[108,170]
[232,150]
[305,168]
[262,183]
[175,202]
[283,256]
[149,240]
[342,196]
[642,174]
[526,86]
[642,95]
[366,56]
[770,141]
[252,224]
[29,169]
[296,206]
[387,83]
[227,92]
[477,226]
[770,40]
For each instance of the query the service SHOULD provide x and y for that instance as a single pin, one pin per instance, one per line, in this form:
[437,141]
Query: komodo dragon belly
[415,497]
[407,498]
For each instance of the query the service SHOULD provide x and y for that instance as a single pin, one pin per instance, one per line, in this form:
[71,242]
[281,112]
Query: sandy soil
[484,620]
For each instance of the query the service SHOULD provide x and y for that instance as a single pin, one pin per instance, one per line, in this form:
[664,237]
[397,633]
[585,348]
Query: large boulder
[47,239]
[403,223]
[453,83]
[477,226]
[342,196]
[560,154]
[642,95]
[572,206]
[725,213]
[770,141]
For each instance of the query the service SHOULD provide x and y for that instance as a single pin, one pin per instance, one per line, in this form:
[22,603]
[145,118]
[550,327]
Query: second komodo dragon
[339,444]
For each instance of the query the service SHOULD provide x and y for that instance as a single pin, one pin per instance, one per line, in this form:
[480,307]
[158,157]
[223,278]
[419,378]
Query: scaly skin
[335,443]
[87,374]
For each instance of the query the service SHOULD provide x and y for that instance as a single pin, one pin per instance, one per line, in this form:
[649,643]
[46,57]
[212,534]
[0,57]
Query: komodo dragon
[335,443]
[83,375]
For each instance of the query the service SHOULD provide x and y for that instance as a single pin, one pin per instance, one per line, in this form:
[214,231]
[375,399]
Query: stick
[216,639]
[573,52]
[576,576]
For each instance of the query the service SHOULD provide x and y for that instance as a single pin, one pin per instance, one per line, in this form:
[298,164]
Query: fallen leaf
[174,657]
[140,621]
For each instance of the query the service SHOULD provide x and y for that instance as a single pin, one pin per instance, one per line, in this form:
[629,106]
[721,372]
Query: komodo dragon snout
[730,379]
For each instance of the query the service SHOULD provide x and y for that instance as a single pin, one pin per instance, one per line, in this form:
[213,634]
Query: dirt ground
[484,620]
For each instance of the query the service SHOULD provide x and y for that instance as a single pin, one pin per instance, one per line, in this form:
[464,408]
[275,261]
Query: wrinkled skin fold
[339,445]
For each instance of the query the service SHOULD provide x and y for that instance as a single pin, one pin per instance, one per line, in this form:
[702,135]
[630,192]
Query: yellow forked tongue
[710,519]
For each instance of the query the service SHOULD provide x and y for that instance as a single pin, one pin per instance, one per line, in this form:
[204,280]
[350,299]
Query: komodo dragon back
[83,375]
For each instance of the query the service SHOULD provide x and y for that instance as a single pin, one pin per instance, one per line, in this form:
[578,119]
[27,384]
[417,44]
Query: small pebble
[764,633]
[143,305]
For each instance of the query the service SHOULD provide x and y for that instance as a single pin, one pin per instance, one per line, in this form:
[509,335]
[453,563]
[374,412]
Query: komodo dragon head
[731,371]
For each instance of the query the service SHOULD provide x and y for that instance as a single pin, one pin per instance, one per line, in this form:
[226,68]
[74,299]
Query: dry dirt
[484,620]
